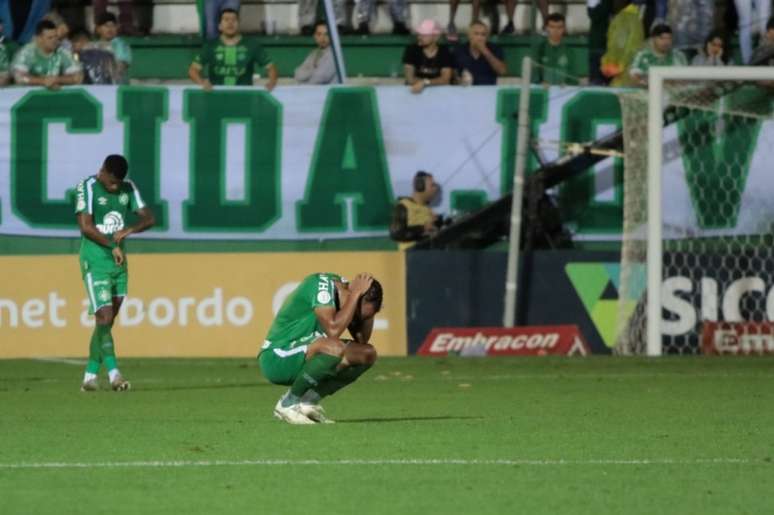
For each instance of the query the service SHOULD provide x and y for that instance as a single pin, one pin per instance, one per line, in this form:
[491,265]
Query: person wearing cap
[106,27]
[427,63]
[657,52]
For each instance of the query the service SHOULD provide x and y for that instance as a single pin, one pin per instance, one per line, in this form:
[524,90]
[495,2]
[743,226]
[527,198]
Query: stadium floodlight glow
[692,92]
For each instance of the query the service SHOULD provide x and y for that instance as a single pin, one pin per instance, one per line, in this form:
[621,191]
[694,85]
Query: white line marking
[464,462]
[66,361]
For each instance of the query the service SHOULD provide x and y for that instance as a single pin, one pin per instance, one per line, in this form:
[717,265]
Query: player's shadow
[182,387]
[403,419]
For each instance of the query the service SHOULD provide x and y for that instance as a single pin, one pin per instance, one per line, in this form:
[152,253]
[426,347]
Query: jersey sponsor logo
[102,201]
[323,297]
[111,223]
[563,340]
[737,338]
[123,199]
[81,205]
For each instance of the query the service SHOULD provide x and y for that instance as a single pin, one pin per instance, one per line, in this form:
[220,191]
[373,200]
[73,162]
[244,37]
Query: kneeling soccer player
[103,202]
[304,349]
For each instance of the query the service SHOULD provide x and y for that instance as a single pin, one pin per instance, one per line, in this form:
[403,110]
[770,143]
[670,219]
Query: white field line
[66,361]
[401,462]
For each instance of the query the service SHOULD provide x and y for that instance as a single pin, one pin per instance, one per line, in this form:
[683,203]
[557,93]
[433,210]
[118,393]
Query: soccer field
[596,435]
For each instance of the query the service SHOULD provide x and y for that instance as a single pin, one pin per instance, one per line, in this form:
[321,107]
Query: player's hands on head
[361,283]
[118,256]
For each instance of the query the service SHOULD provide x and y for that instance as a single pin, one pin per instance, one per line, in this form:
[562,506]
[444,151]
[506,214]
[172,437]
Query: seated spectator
[412,217]
[307,14]
[319,67]
[479,62]
[42,63]
[657,52]
[106,27]
[713,51]
[552,55]
[99,65]
[764,54]
[62,30]
[624,39]
[451,29]
[230,60]
[212,10]
[366,9]
[427,63]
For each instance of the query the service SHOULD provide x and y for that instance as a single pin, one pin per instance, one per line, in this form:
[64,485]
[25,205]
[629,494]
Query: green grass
[573,429]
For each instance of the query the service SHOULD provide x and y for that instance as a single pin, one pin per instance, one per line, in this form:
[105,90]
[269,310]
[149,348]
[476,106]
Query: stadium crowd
[40,46]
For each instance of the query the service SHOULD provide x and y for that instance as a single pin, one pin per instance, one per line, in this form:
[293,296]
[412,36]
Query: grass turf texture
[575,429]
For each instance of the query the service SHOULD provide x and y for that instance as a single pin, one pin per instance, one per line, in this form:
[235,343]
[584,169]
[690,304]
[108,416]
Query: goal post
[714,126]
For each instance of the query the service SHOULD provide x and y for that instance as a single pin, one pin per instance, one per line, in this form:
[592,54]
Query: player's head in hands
[113,172]
[371,301]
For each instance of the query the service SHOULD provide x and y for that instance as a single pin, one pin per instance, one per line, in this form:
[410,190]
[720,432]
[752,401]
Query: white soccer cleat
[119,384]
[90,386]
[291,414]
[315,412]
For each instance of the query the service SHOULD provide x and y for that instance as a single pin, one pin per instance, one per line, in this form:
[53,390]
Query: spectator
[451,29]
[307,14]
[5,76]
[107,29]
[366,9]
[510,11]
[62,30]
[744,9]
[599,12]
[713,51]
[692,20]
[43,63]
[20,18]
[412,217]
[212,10]
[230,60]
[624,39]
[126,16]
[764,54]
[427,63]
[479,62]
[552,55]
[99,65]
[657,52]
[319,67]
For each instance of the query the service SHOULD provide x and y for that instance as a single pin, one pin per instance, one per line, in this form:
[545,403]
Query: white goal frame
[656,77]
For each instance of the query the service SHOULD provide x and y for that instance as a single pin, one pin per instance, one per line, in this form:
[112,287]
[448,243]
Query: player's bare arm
[361,329]
[146,221]
[333,322]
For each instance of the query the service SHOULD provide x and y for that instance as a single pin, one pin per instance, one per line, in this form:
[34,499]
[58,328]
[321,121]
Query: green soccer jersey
[296,323]
[646,58]
[232,65]
[555,63]
[32,61]
[109,211]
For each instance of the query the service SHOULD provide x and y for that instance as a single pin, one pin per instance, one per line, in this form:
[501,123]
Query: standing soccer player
[304,348]
[102,204]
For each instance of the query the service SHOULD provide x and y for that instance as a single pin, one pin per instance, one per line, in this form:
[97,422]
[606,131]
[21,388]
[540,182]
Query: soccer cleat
[90,386]
[291,414]
[119,384]
[315,412]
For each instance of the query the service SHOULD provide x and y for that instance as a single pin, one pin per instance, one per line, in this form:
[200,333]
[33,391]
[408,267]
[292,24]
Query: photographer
[412,217]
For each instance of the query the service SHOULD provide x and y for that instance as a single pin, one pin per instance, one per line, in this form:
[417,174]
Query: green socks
[345,376]
[316,370]
[95,352]
[101,349]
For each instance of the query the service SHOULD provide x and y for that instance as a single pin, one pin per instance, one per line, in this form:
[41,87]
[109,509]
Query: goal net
[698,235]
